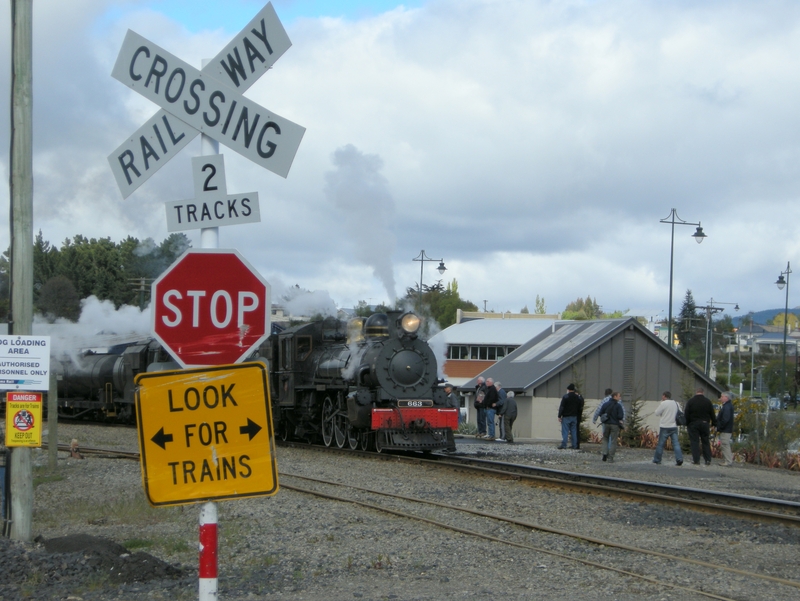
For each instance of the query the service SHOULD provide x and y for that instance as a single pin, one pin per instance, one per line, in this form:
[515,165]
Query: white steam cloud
[357,187]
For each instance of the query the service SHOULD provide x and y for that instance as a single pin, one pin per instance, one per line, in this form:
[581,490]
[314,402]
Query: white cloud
[533,145]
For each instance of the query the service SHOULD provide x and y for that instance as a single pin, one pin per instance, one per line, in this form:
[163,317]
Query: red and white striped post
[209,238]
[208,552]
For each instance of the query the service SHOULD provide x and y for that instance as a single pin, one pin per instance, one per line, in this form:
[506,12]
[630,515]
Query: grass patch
[176,546]
[45,478]
[137,543]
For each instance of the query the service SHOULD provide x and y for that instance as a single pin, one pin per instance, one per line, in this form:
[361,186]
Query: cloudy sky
[533,145]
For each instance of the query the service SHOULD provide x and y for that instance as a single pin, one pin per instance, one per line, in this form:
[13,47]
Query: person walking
[509,414]
[480,396]
[490,402]
[602,405]
[452,400]
[725,428]
[501,401]
[699,413]
[667,428]
[611,427]
[569,411]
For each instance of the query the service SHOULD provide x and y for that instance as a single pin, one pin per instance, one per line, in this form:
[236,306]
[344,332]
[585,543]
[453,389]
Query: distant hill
[762,317]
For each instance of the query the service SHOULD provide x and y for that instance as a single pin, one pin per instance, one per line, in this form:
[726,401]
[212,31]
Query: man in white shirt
[666,412]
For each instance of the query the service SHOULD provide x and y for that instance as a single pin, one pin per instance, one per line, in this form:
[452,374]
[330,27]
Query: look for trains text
[207,434]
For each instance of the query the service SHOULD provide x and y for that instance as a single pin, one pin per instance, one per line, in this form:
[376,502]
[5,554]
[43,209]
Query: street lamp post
[422,258]
[781,283]
[698,235]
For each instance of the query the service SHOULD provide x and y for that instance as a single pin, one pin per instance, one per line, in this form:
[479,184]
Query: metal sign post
[208,101]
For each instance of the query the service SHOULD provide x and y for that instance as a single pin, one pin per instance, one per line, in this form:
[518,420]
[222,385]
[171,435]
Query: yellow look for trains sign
[206,434]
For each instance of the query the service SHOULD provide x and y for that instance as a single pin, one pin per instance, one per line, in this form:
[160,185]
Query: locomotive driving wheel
[340,423]
[283,429]
[352,437]
[328,416]
[363,440]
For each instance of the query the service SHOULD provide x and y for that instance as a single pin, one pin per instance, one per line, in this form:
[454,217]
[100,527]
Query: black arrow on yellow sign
[162,439]
[251,429]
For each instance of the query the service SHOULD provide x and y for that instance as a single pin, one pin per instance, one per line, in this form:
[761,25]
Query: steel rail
[105,453]
[539,527]
[782,511]
[736,505]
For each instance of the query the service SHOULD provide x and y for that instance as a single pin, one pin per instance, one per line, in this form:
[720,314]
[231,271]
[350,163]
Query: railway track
[518,532]
[521,529]
[735,505]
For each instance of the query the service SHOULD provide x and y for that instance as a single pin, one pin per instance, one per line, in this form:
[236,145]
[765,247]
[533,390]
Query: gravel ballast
[99,539]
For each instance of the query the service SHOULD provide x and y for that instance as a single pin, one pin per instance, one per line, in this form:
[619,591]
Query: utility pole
[21,220]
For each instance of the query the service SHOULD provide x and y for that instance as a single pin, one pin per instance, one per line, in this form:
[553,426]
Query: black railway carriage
[99,386]
[361,384]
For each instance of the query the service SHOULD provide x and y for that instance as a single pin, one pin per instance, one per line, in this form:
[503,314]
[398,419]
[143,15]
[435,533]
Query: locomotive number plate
[415,403]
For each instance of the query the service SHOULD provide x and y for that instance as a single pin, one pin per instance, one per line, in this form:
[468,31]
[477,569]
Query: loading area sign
[206,434]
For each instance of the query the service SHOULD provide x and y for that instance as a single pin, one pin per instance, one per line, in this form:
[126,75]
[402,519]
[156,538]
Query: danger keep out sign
[206,434]
[24,419]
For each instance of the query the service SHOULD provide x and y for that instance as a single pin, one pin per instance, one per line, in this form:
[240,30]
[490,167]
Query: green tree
[691,329]
[524,310]
[439,302]
[582,309]
[541,308]
[778,320]
[58,298]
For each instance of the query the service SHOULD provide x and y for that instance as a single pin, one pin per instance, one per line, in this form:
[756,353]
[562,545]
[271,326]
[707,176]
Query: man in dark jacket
[725,428]
[699,412]
[611,427]
[569,411]
[480,395]
[490,403]
[509,413]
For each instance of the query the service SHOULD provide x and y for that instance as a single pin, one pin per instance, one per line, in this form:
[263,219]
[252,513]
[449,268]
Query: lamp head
[781,282]
[699,235]
[441,269]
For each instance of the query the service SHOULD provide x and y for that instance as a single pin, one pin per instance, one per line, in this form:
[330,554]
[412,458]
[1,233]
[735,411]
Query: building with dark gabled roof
[620,354]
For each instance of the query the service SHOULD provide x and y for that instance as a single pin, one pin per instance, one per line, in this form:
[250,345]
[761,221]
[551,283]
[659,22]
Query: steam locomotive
[364,383]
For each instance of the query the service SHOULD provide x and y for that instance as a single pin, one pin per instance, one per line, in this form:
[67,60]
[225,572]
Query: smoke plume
[362,193]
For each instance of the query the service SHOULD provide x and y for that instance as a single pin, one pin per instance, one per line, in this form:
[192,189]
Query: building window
[478,353]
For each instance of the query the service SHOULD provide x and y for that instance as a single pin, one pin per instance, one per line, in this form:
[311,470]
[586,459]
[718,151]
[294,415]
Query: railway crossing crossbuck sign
[211,308]
[210,101]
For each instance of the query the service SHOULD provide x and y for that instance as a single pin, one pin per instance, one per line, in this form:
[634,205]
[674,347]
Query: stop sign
[210,308]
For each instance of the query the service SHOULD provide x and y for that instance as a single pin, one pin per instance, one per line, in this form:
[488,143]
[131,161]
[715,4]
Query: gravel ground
[294,546]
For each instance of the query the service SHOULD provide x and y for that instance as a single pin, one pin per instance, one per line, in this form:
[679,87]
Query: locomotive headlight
[410,323]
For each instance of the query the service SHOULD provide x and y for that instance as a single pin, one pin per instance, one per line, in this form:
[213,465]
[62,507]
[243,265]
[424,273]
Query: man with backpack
[612,419]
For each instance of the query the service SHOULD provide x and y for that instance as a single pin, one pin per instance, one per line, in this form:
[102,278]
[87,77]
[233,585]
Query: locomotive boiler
[365,383]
